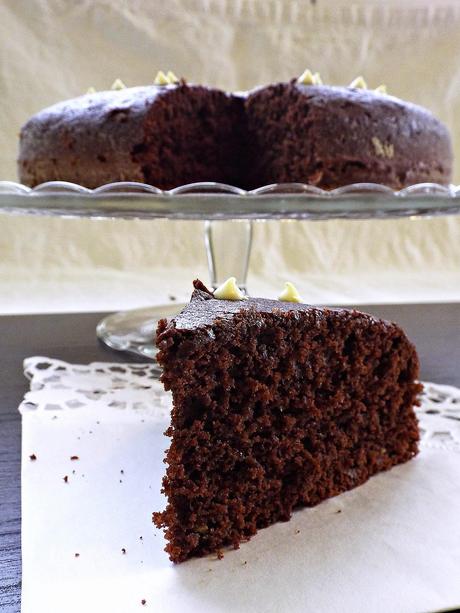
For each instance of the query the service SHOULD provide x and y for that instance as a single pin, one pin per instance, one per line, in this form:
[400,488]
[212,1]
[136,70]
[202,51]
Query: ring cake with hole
[172,133]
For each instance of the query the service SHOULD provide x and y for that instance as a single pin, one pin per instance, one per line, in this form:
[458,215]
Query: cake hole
[42,366]
[75,404]
[442,437]
[52,407]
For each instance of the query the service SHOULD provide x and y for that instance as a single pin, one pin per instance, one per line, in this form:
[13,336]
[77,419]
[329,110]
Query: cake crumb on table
[338,511]
[77,555]
[66,479]
[143,602]
[74,457]
[123,550]
[33,457]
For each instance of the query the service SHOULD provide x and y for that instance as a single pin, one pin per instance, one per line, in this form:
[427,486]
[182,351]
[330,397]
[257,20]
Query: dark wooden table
[435,329]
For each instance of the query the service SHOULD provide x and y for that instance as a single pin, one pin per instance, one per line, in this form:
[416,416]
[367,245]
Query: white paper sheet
[392,544]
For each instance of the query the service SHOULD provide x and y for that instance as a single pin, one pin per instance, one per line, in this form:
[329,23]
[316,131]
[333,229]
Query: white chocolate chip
[381,89]
[118,84]
[358,83]
[161,79]
[290,293]
[385,150]
[317,79]
[91,90]
[172,77]
[229,290]
[308,78]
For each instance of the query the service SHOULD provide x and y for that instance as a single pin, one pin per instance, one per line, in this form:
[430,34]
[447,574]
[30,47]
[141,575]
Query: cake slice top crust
[204,310]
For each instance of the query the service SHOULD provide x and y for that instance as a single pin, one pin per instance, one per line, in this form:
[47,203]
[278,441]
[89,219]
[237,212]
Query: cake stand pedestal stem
[228,248]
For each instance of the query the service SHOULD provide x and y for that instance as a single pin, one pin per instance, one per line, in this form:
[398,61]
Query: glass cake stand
[228,213]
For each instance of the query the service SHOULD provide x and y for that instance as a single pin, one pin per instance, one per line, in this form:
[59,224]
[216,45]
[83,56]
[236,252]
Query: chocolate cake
[170,135]
[276,406]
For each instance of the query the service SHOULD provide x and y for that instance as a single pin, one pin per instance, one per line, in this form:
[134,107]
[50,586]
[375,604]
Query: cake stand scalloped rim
[208,200]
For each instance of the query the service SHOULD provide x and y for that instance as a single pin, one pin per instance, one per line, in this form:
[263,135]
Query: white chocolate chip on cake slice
[290,293]
[381,89]
[306,78]
[317,78]
[229,290]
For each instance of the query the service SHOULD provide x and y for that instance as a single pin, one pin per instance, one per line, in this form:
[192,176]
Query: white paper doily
[59,386]
[92,463]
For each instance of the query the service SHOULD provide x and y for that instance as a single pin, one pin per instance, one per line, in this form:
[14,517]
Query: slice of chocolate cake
[276,405]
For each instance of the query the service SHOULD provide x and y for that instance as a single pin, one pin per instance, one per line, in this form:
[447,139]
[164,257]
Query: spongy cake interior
[192,136]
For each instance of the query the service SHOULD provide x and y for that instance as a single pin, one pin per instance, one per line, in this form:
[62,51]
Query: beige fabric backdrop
[55,49]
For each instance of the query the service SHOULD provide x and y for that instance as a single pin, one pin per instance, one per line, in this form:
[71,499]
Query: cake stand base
[134,330]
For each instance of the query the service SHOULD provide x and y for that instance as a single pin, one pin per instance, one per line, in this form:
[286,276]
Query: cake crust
[276,406]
